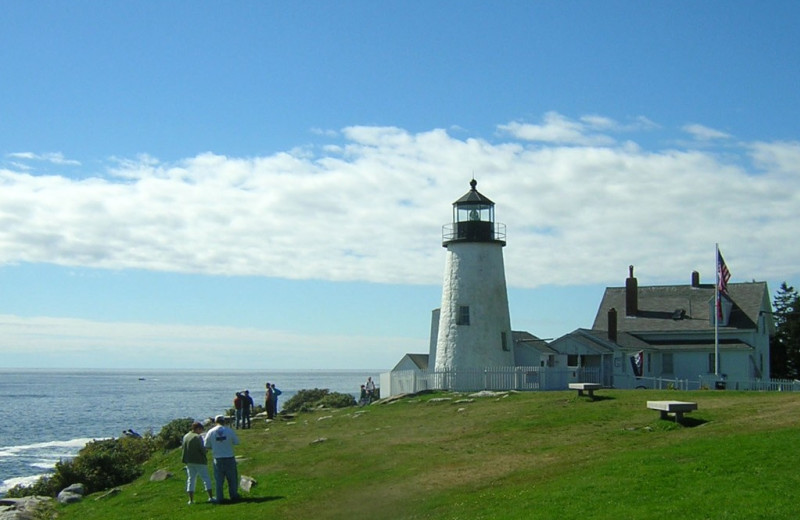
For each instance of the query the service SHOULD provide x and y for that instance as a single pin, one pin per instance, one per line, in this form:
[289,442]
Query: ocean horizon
[57,411]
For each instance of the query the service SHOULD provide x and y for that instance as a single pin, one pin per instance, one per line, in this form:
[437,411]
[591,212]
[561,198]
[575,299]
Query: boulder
[24,508]
[67,497]
[78,489]
[160,475]
[71,494]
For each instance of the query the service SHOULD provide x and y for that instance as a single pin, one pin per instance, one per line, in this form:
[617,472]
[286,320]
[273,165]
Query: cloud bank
[580,205]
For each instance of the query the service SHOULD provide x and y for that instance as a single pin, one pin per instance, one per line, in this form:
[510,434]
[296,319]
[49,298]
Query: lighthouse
[474,330]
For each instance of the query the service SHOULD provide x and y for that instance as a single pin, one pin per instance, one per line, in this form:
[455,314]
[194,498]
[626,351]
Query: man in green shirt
[194,456]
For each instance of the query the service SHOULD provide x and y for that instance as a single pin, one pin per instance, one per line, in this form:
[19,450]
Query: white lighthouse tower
[474,324]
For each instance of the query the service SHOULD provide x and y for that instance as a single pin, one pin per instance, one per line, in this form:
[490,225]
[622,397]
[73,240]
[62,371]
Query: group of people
[367,392]
[220,440]
[243,409]
[243,405]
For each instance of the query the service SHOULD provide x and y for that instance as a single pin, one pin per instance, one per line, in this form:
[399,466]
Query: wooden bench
[588,387]
[678,408]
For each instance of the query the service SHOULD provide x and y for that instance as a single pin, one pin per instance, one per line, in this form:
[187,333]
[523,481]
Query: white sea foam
[36,457]
[51,448]
[45,464]
[16,481]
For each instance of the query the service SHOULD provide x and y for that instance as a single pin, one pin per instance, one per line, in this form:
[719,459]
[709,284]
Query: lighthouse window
[504,340]
[463,315]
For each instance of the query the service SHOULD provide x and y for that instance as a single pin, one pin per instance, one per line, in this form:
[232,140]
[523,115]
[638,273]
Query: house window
[667,366]
[463,315]
[504,340]
[572,360]
[712,363]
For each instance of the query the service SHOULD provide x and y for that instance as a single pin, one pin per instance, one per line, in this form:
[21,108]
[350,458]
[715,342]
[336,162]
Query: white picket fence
[493,378]
[546,378]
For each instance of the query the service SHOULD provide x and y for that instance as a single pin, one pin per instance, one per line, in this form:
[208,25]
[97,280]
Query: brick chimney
[695,279]
[612,324]
[631,294]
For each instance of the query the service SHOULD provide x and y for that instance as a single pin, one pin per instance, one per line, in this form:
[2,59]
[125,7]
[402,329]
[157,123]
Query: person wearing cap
[194,456]
[220,440]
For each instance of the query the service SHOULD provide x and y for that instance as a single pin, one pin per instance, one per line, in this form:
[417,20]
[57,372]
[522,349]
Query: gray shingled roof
[657,305]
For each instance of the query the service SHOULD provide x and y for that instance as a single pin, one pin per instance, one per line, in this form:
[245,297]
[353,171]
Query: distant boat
[142,379]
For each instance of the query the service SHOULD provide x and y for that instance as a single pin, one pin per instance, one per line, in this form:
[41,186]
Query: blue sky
[263,185]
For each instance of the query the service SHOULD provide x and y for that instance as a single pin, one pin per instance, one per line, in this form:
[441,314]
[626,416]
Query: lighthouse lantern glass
[473,213]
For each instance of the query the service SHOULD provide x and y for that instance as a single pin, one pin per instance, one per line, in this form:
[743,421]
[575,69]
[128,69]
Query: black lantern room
[473,220]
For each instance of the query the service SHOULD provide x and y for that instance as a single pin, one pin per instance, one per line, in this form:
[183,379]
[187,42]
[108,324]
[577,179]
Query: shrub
[337,400]
[171,434]
[307,400]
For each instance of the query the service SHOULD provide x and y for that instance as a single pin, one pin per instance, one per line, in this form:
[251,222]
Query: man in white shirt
[220,440]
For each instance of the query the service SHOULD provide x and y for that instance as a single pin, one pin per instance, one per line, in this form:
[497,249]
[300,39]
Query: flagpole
[717,307]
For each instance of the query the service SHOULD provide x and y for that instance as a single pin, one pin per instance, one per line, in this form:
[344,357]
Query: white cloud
[55,158]
[558,129]
[372,208]
[704,133]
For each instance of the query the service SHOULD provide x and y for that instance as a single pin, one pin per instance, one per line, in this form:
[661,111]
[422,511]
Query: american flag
[723,275]
[637,363]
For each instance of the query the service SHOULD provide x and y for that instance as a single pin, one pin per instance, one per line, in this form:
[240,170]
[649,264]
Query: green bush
[171,434]
[307,400]
[337,400]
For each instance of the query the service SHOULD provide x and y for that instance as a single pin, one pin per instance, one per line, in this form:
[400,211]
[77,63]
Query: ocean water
[50,415]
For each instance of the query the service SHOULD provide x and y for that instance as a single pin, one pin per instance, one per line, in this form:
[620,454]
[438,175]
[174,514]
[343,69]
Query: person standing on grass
[237,407]
[247,406]
[268,402]
[194,456]
[275,394]
[370,387]
[220,440]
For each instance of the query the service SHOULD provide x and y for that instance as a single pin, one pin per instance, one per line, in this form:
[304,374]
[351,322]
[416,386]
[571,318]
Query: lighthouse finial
[473,183]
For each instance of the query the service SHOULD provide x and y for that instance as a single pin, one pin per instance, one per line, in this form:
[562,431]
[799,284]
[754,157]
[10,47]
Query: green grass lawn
[536,455]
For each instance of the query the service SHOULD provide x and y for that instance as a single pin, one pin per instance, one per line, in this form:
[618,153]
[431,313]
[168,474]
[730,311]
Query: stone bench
[678,408]
[588,387]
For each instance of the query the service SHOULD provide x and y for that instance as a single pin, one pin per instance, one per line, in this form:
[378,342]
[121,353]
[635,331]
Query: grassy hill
[540,455]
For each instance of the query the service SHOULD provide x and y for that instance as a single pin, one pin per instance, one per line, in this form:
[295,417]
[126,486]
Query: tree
[785,347]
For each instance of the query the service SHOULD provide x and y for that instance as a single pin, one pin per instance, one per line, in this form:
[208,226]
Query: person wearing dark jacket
[247,407]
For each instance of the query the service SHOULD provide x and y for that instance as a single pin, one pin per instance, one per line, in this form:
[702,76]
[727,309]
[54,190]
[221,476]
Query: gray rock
[67,497]
[78,489]
[24,508]
[160,475]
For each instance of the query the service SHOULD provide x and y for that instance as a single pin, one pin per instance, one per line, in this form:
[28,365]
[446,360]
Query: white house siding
[474,277]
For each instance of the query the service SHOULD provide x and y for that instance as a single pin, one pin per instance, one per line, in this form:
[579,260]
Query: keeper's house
[645,333]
